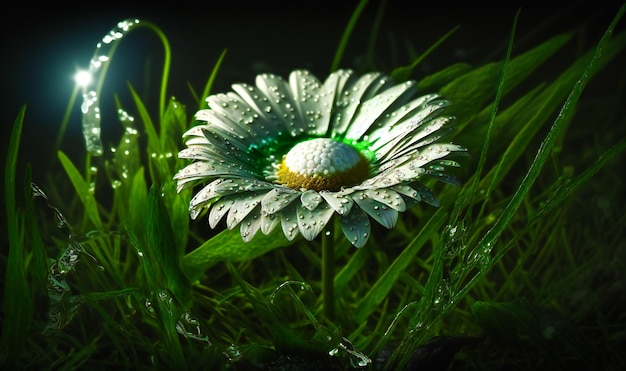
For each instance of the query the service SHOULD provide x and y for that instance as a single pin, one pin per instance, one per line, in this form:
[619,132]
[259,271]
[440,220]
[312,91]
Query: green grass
[521,267]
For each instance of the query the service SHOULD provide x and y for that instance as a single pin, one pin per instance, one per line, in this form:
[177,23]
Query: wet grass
[520,268]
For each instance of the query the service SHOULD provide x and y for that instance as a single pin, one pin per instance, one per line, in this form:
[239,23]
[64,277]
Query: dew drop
[90,107]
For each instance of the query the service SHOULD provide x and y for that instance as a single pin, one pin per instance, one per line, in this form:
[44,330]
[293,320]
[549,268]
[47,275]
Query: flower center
[322,164]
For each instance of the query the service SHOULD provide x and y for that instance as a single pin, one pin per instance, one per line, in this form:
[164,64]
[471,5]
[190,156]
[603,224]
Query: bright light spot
[83,78]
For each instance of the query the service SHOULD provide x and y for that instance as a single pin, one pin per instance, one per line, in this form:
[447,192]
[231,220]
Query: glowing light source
[83,78]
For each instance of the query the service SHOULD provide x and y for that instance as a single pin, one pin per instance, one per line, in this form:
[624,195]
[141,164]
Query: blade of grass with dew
[486,244]
[162,245]
[135,219]
[525,117]
[127,155]
[173,125]
[17,301]
[125,163]
[166,310]
[382,287]
[82,190]
[227,245]
[153,143]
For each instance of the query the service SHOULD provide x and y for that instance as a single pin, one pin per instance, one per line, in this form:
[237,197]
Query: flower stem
[328,275]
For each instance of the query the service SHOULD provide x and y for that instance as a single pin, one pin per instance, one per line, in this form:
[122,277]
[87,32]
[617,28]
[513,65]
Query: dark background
[43,47]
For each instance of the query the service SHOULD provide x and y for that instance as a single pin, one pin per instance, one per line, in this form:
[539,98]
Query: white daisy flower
[295,153]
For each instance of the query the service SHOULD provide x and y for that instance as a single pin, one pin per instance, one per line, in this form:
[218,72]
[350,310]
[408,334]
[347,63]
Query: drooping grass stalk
[100,64]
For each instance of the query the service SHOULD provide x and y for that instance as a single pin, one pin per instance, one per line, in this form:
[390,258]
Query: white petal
[221,128]
[250,225]
[269,222]
[205,196]
[219,209]
[197,131]
[189,175]
[239,185]
[196,153]
[310,199]
[426,194]
[356,227]
[392,176]
[277,199]
[372,111]
[338,201]
[355,91]
[289,222]
[237,110]
[311,223]
[443,177]
[330,95]
[253,97]
[387,197]
[206,170]
[313,104]
[244,204]
[408,191]
[411,111]
[383,214]
[410,136]
[280,101]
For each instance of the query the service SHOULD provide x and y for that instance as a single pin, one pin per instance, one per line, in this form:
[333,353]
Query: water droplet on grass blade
[90,107]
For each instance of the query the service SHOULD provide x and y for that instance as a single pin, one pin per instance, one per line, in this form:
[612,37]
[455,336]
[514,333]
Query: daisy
[293,154]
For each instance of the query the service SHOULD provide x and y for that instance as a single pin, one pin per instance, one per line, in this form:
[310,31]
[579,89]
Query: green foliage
[132,282]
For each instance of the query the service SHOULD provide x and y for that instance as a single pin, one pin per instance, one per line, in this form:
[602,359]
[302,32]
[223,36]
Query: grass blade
[82,189]
[341,49]
[17,303]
